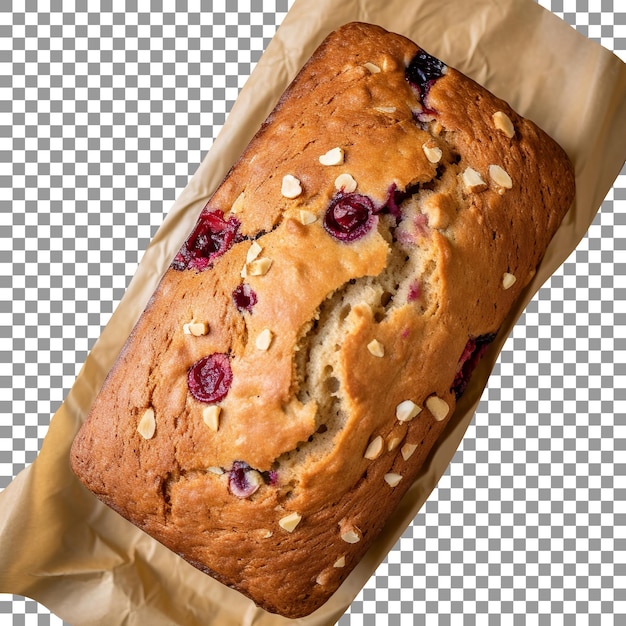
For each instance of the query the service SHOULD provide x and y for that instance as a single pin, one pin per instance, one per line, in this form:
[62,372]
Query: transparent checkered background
[105,112]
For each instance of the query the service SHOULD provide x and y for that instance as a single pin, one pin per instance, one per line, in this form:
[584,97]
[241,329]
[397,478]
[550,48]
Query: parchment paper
[60,546]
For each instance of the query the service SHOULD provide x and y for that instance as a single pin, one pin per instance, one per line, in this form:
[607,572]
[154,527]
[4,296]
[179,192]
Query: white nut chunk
[472,180]
[407,450]
[504,124]
[264,339]
[393,443]
[371,67]
[197,329]
[345,183]
[374,448]
[340,562]
[334,156]
[508,280]
[393,479]
[211,416]
[500,177]
[258,267]
[407,410]
[238,203]
[291,187]
[439,408]
[433,153]
[351,536]
[289,522]
[306,217]
[376,348]
[253,252]
[147,424]
[385,109]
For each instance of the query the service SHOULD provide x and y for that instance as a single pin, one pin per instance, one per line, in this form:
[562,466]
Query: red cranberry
[415,291]
[423,71]
[241,482]
[472,353]
[212,237]
[209,379]
[395,197]
[244,298]
[421,224]
[349,216]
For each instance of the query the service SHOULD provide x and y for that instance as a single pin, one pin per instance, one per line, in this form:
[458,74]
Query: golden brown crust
[303,411]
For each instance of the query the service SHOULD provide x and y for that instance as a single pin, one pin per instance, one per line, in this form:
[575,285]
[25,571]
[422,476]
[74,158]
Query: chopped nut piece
[374,448]
[407,450]
[345,182]
[289,522]
[211,416]
[332,157]
[385,109]
[215,470]
[392,479]
[407,410]
[291,187]
[253,480]
[147,424]
[503,123]
[351,536]
[472,180]
[237,204]
[340,562]
[265,534]
[374,69]
[508,280]
[439,408]
[253,252]
[197,329]
[264,339]
[376,348]
[323,578]
[433,153]
[393,443]
[306,217]
[259,267]
[500,177]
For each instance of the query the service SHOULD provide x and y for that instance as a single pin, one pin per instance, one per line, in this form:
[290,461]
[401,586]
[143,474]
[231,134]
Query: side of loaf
[309,342]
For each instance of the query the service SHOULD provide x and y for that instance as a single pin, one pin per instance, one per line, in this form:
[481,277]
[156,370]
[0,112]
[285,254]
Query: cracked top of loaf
[307,346]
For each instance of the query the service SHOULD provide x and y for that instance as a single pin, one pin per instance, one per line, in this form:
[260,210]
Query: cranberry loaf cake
[310,340]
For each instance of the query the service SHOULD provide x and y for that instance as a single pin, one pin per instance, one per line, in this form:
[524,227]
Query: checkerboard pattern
[105,112]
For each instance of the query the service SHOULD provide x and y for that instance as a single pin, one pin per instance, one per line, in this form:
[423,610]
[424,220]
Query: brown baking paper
[60,546]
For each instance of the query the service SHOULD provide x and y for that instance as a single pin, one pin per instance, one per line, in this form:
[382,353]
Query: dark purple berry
[423,71]
[272,477]
[244,298]
[243,481]
[349,216]
[473,352]
[209,379]
[212,237]
[395,198]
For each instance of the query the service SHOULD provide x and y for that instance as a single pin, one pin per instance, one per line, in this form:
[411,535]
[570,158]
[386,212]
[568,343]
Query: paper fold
[62,547]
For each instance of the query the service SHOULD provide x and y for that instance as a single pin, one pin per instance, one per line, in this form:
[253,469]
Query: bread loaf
[309,342]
